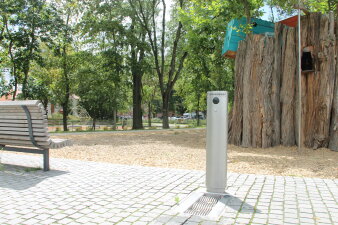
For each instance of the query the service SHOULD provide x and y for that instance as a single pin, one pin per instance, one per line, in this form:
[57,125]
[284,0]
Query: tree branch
[174,53]
[178,72]
[153,40]
[163,36]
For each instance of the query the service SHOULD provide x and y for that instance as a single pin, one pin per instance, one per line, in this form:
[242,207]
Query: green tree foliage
[167,45]
[287,7]
[206,69]
[6,88]
[149,94]
[113,25]
[63,46]
[26,24]
[98,84]
[37,90]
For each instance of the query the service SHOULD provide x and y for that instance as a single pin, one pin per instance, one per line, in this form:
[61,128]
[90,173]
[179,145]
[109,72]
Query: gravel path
[185,149]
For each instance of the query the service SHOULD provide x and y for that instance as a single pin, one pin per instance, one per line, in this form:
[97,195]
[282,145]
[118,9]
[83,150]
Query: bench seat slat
[60,143]
[53,143]
[19,137]
[24,143]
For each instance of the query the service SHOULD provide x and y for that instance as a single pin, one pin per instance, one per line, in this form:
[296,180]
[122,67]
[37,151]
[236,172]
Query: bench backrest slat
[14,126]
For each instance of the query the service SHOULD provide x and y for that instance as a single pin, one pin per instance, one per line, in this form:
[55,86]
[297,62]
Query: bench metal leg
[46,160]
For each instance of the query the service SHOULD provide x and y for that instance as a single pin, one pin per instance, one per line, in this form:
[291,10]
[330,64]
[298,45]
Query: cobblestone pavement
[78,192]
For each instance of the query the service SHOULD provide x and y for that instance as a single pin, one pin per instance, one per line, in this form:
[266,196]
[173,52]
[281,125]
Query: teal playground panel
[233,36]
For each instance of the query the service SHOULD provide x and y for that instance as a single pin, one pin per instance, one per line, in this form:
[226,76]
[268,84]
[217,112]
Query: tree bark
[333,143]
[27,63]
[14,71]
[114,118]
[137,73]
[65,103]
[94,124]
[198,109]
[137,100]
[165,111]
[149,114]
[267,95]
[236,121]
[276,82]
[318,86]
[288,86]
[266,105]
[247,94]
[15,86]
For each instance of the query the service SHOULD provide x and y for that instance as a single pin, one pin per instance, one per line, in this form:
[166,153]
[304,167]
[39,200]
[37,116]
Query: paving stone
[78,192]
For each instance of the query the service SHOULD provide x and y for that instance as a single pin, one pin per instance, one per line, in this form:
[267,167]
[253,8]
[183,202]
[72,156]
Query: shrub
[56,116]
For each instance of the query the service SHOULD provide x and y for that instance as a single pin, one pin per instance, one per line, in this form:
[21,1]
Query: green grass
[177,199]
[27,170]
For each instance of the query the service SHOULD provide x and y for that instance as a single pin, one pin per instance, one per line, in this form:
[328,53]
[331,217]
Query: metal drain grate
[204,205]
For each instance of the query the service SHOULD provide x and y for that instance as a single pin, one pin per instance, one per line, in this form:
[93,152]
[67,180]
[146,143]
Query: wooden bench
[24,128]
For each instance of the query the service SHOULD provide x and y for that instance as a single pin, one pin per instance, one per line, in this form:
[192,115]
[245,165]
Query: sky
[267,14]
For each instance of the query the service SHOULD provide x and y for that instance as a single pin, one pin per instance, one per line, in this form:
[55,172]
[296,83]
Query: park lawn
[185,149]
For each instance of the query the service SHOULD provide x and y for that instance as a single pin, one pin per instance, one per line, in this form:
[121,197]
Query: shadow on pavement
[22,178]
[238,205]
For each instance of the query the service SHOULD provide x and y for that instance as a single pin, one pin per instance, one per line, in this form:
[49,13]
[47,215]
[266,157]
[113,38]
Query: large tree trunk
[24,85]
[94,124]
[65,103]
[64,115]
[149,114]
[27,63]
[279,47]
[137,56]
[318,86]
[236,121]
[246,128]
[257,120]
[137,101]
[165,111]
[266,105]
[288,86]
[198,110]
[15,86]
[114,118]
